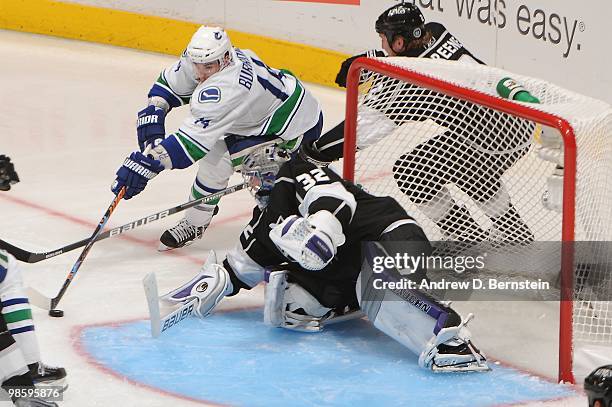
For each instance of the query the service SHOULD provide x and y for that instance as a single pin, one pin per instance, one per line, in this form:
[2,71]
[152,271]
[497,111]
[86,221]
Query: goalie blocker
[321,264]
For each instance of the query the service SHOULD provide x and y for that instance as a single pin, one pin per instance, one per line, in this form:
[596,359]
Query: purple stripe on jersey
[320,248]
[2,274]
[21,330]
[288,225]
[14,301]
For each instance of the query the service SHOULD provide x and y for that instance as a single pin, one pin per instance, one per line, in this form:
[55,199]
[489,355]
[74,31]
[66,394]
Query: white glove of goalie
[312,241]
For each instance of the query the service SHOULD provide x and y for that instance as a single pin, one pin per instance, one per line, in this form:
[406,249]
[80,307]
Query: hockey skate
[183,234]
[461,233]
[44,375]
[451,350]
[510,229]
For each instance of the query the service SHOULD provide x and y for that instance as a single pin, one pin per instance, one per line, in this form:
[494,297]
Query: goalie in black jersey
[306,239]
[467,154]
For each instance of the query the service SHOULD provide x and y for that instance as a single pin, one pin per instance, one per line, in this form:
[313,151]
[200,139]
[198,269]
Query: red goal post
[565,372]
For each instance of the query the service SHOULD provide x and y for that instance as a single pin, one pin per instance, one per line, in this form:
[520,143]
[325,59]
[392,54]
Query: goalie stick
[161,323]
[31,257]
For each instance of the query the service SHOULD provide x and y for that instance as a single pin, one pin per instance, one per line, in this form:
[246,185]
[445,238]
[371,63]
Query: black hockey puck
[56,313]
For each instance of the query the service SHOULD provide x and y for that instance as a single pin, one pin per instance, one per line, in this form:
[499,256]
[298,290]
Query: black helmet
[403,19]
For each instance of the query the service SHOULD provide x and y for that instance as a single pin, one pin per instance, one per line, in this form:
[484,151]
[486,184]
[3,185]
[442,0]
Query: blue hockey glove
[150,126]
[134,174]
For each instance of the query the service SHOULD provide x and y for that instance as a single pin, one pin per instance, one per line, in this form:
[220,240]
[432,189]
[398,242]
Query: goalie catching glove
[137,170]
[312,242]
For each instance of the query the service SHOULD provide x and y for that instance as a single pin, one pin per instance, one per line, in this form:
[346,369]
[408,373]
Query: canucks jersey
[303,189]
[15,312]
[245,99]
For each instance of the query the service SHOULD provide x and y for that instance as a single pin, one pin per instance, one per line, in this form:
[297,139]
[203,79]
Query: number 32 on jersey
[311,178]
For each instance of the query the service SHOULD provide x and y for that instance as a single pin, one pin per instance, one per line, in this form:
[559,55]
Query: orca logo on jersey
[210,95]
[203,286]
[218,35]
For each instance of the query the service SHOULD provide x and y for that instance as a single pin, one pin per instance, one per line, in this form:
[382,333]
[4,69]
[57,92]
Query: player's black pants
[334,286]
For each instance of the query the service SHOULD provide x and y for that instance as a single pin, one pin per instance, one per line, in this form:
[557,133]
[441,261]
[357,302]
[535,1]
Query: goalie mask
[259,170]
[403,19]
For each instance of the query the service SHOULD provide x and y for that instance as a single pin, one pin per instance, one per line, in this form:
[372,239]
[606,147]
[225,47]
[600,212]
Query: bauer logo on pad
[210,95]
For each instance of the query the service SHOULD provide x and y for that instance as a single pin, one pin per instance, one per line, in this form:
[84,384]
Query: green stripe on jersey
[197,195]
[3,259]
[283,115]
[195,152]
[162,81]
[17,316]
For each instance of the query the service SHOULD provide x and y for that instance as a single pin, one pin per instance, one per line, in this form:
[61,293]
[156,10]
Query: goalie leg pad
[288,305]
[209,286]
[424,325]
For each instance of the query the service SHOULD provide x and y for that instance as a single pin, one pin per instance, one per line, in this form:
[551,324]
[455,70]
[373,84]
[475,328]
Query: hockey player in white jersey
[309,226]
[20,365]
[236,102]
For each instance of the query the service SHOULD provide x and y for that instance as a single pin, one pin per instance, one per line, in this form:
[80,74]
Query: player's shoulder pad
[335,190]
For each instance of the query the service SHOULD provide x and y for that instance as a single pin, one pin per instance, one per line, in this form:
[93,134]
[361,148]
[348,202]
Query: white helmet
[209,44]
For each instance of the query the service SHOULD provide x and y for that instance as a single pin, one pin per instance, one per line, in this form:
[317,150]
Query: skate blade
[163,248]
[466,367]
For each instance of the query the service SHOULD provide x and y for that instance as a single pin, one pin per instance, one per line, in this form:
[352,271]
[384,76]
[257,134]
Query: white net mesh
[473,174]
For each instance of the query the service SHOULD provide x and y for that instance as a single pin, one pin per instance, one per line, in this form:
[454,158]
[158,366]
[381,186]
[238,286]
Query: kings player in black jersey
[305,239]
[469,155]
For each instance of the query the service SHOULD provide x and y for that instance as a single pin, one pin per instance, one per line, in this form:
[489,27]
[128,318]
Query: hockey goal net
[528,184]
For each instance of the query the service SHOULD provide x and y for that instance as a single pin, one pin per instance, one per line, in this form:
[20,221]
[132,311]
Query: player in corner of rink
[22,374]
[463,155]
[309,226]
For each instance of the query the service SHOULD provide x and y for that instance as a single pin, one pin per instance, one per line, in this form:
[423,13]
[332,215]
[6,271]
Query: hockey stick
[160,324]
[39,299]
[30,257]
